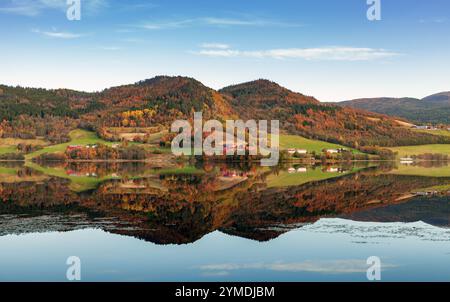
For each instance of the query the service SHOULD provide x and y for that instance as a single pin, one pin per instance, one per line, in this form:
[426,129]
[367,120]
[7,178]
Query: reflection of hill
[307,203]
[433,210]
[182,208]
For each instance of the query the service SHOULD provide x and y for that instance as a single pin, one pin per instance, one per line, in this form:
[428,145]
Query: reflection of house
[406,160]
[73,173]
[332,170]
[298,170]
[132,185]
[232,173]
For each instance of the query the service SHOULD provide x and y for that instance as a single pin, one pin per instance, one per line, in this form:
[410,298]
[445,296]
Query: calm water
[132,222]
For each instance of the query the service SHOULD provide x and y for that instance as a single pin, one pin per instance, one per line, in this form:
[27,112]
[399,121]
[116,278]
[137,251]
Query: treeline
[431,157]
[53,129]
[349,127]
[30,113]
[37,102]
[12,157]
[103,152]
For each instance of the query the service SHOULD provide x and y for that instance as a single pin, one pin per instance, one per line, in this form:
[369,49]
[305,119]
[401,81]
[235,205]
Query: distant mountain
[432,109]
[161,100]
[439,98]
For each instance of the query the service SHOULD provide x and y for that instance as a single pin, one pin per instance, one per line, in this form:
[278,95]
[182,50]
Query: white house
[332,151]
[302,151]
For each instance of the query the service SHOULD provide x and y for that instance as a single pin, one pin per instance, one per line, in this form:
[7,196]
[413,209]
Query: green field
[9,145]
[286,179]
[298,142]
[435,132]
[421,171]
[8,149]
[77,184]
[78,137]
[421,149]
[176,171]
[8,171]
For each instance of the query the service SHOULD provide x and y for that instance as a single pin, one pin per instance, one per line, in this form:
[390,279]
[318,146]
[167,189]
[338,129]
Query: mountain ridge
[160,100]
[432,109]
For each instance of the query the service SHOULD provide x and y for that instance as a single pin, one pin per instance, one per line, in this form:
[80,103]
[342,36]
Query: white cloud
[58,34]
[324,53]
[166,25]
[36,7]
[239,22]
[345,266]
[435,20]
[215,22]
[215,45]
[110,48]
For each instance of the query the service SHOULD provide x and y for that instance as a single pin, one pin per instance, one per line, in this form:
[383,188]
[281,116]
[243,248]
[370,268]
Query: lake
[224,222]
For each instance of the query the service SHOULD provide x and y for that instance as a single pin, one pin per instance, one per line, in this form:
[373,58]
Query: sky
[328,49]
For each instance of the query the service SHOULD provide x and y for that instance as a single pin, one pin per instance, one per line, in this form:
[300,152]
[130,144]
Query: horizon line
[217,89]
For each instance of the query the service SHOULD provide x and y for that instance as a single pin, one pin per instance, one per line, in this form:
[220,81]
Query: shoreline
[212,161]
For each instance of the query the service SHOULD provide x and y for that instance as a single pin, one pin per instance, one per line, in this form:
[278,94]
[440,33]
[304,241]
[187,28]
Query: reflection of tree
[181,208]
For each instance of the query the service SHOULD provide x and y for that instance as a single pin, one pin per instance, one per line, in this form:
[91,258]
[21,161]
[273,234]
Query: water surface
[132,222]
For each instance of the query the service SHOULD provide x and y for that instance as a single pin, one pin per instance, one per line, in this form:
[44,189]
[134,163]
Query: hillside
[157,102]
[170,98]
[306,116]
[431,109]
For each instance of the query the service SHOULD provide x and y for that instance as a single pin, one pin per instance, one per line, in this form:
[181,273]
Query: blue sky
[325,48]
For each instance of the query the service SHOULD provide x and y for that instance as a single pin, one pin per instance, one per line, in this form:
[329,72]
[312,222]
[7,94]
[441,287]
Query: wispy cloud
[345,266]
[58,34]
[247,22]
[435,20]
[29,11]
[110,48]
[36,7]
[323,53]
[138,6]
[215,45]
[166,25]
[214,22]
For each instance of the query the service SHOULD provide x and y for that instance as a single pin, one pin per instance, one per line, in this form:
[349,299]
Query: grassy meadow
[421,149]
[78,137]
[9,145]
[286,179]
[299,142]
[411,170]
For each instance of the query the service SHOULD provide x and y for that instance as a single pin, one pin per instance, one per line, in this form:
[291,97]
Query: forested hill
[432,109]
[306,116]
[161,100]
